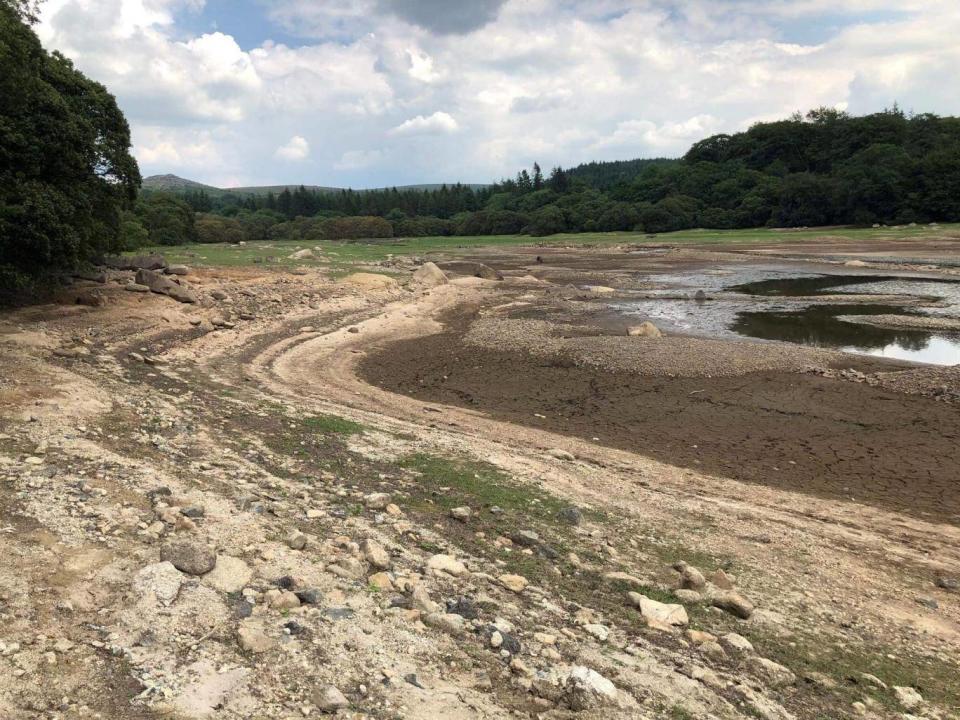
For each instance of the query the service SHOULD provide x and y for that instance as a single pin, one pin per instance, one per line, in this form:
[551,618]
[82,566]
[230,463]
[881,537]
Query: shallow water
[816,323]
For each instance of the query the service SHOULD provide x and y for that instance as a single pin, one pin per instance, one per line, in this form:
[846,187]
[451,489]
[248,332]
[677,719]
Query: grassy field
[340,256]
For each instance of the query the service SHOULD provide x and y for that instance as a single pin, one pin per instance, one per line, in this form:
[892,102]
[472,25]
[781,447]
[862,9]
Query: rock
[586,688]
[658,612]
[698,637]
[570,515]
[285,600]
[733,603]
[136,262]
[690,577]
[306,254]
[447,564]
[450,623]
[429,275]
[310,596]
[496,639]
[296,540]
[514,583]
[136,287]
[189,556]
[253,639]
[91,299]
[600,632]
[464,607]
[230,575]
[688,596]
[947,583]
[218,295]
[420,600]
[370,282]
[329,699]
[178,270]
[774,674]
[721,580]
[461,513]
[161,580]
[646,330]
[192,511]
[165,286]
[561,454]
[377,501]
[736,644]
[375,554]
[908,698]
[381,581]
[501,638]
[475,269]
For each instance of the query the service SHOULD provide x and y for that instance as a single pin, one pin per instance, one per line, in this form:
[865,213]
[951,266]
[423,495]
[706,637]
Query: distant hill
[173,183]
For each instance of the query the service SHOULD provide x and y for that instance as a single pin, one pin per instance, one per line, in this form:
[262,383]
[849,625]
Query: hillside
[174,183]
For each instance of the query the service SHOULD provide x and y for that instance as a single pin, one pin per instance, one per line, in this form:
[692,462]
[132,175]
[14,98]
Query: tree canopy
[66,173]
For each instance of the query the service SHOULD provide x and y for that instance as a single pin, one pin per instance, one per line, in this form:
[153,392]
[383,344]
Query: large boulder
[658,613]
[163,285]
[429,275]
[136,262]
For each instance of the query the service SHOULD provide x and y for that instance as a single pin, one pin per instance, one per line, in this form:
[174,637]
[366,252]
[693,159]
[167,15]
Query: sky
[373,93]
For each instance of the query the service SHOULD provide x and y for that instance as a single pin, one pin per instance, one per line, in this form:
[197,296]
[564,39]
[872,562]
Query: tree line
[822,168]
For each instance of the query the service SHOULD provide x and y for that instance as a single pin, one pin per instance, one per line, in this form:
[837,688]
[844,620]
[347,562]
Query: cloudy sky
[367,93]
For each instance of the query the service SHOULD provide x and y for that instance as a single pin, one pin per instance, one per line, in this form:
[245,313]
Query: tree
[537,177]
[66,173]
[167,218]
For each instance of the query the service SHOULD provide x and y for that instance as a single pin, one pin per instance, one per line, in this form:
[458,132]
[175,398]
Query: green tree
[66,173]
[168,219]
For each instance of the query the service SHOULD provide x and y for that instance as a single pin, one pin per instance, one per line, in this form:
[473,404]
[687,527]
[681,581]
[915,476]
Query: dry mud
[347,578]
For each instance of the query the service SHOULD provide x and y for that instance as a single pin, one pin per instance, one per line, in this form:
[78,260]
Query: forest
[822,168]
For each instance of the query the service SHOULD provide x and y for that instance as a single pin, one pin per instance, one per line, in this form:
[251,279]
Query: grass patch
[331,424]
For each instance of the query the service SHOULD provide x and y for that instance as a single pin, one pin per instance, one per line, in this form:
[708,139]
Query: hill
[176,184]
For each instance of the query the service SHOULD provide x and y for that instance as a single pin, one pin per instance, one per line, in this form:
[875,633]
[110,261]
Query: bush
[218,229]
[423,227]
[356,228]
[167,218]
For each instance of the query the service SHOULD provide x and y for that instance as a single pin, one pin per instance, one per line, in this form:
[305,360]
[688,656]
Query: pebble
[191,557]
[375,554]
[514,583]
[462,513]
[296,540]
[329,699]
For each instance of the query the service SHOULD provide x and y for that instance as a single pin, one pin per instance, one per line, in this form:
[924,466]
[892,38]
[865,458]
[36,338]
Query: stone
[570,515]
[645,330]
[429,275]
[230,575]
[947,583]
[698,637]
[774,674]
[375,554]
[189,556]
[163,285]
[908,698]
[192,511]
[136,287]
[306,254]
[377,501]
[464,607]
[329,699]
[420,600]
[381,581]
[690,577]
[161,580]
[586,686]
[450,623]
[310,596]
[253,640]
[560,454]
[721,580]
[178,270]
[296,540]
[600,632]
[285,600]
[733,603]
[461,513]
[514,583]
[658,612]
[447,564]
[136,262]
[736,644]
[688,596]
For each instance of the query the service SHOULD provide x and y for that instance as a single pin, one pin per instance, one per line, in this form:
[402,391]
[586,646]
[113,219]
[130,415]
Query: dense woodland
[69,186]
[825,168]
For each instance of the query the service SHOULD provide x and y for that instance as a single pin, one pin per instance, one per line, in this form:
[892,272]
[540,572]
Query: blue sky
[368,93]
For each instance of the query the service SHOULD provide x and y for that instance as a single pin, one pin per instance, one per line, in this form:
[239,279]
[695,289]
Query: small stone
[948,583]
[600,632]
[736,644]
[570,515]
[733,603]
[561,454]
[191,557]
[193,511]
[377,501]
[420,600]
[285,600]
[450,623]
[230,575]
[657,612]
[690,577]
[462,513]
[775,674]
[447,564]
[381,581]
[310,596]
[721,580]
[329,699]
[296,540]
[514,583]
[161,580]
[254,640]
[375,554]
[908,698]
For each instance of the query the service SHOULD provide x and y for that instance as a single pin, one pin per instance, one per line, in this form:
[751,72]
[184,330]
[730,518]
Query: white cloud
[296,149]
[440,123]
[557,81]
[358,159]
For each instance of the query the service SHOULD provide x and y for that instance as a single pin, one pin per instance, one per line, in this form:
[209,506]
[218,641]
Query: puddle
[745,306]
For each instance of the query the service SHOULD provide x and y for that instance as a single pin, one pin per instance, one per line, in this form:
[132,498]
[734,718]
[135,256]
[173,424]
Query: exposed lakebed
[819,310]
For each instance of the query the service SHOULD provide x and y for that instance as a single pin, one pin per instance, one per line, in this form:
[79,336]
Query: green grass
[341,256]
[331,424]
